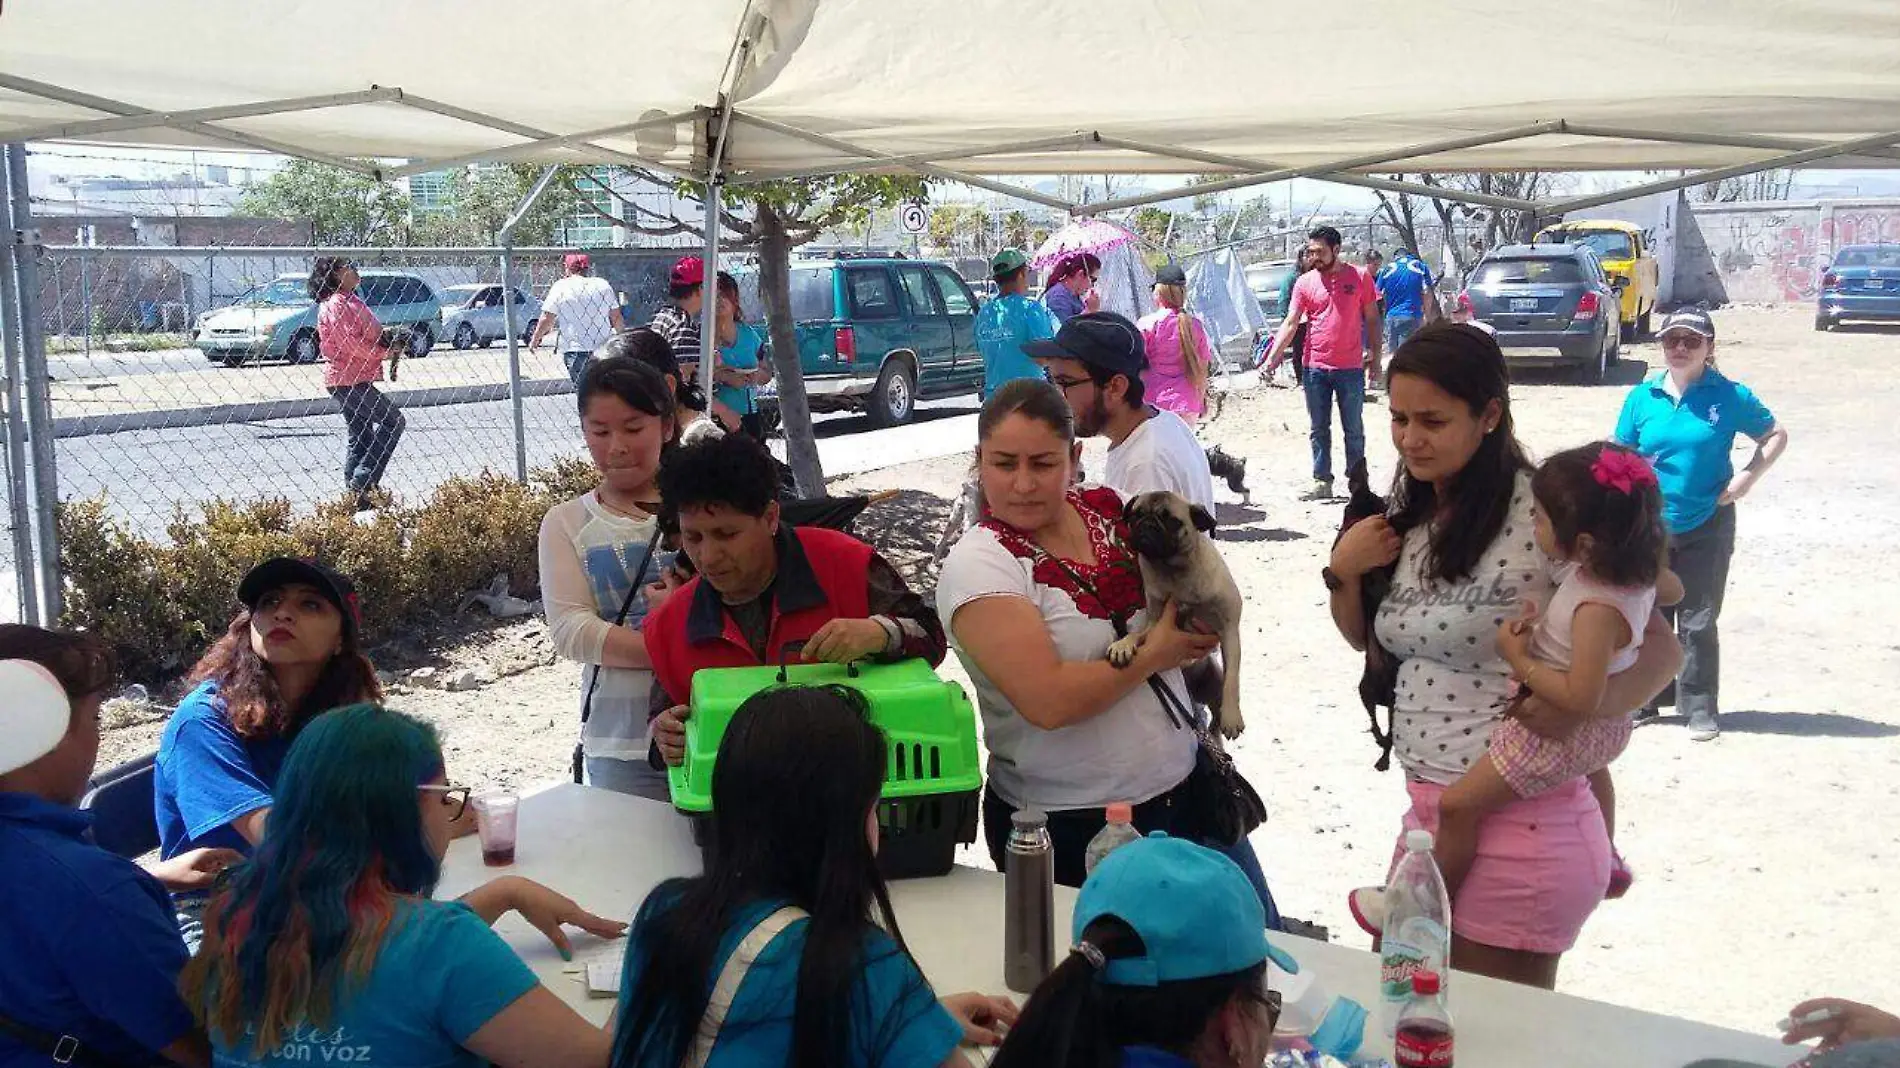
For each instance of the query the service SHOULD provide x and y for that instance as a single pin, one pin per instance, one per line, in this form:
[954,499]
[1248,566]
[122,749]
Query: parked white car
[472,315]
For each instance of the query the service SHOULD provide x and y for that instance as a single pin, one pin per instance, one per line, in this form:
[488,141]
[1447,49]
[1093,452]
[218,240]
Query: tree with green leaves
[773,218]
[342,207]
[1016,230]
[485,196]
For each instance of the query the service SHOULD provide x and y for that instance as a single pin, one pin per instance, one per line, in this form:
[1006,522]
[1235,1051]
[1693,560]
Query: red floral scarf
[1115,576]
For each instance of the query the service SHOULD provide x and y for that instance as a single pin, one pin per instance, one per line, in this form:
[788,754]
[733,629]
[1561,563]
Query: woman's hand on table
[1847,1021]
[1166,645]
[669,734]
[549,911]
[1367,544]
[193,869]
[984,1018]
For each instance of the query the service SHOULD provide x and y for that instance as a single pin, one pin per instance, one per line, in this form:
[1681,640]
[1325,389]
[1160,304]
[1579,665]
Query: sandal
[1367,905]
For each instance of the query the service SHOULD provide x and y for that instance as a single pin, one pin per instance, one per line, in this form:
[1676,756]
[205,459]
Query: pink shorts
[1543,865]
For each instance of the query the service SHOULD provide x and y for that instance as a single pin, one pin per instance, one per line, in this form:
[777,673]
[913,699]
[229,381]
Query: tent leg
[506,239]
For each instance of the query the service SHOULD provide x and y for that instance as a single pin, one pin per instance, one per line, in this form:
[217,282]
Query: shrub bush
[160,603]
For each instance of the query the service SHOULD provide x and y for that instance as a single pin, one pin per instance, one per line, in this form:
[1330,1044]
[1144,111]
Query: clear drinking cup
[495,812]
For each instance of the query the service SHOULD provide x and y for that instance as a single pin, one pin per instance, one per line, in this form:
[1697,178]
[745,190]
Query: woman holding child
[1463,529]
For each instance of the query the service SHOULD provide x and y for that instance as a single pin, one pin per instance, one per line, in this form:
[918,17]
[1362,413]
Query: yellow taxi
[1623,250]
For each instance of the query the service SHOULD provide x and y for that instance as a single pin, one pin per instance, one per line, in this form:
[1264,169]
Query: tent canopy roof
[1110,86]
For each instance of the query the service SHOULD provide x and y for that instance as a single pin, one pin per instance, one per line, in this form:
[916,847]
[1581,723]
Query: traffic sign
[913,218]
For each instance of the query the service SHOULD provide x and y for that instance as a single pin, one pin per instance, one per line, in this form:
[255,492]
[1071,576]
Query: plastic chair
[121,805]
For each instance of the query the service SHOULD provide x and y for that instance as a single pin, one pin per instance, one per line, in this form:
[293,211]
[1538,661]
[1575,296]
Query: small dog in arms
[1179,563]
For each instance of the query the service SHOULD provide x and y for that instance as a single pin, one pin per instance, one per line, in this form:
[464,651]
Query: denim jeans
[374,424]
[1323,388]
[1397,329]
[1700,558]
[576,364]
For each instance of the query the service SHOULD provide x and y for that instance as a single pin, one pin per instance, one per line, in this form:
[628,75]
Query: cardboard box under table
[932,778]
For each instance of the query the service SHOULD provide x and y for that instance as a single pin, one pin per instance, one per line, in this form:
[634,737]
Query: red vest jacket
[821,577]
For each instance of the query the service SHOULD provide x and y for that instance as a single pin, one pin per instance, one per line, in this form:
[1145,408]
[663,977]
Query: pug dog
[1179,562]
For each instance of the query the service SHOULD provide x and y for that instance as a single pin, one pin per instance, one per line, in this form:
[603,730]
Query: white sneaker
[1321,491]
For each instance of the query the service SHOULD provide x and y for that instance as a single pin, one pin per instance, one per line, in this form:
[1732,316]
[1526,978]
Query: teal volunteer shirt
[1690,439]
[1003,327]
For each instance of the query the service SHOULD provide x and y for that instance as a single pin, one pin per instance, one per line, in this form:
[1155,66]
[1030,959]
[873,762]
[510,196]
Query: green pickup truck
[876,334]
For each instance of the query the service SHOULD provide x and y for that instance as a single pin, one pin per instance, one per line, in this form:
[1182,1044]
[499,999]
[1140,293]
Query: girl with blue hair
[328,947]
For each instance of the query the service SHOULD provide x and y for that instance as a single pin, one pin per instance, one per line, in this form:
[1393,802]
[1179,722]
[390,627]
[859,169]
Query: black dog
[1378,681]
[1231,468]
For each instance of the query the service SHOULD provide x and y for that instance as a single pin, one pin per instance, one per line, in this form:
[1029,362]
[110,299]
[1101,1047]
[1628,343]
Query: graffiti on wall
[1775,255]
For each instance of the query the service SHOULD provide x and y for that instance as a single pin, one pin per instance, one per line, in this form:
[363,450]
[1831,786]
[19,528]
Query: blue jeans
[1397,329]
[1242,853]
[1323,387]
[576,364]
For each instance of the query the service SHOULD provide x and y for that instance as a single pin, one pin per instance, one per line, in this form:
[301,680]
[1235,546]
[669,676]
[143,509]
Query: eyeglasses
[1066,384]
[1683,341]
[451,795]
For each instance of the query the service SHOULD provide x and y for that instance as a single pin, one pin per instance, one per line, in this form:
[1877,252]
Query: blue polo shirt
[1402,283]
[209,775]
[1690,440]
[440,975]
[88,946]
[1003,327]
[895,1019]
[743,355]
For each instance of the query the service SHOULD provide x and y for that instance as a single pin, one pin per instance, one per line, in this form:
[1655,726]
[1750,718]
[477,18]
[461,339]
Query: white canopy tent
[730,92]
[993,87]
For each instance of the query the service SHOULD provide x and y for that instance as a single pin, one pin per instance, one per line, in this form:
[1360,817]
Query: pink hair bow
[1622,471]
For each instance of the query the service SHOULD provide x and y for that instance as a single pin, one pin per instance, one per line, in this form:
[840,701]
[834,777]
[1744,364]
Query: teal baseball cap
[1195,911]
[1008,261]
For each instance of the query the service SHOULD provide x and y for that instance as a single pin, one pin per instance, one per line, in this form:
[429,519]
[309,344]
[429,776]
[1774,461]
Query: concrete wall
[1774,252]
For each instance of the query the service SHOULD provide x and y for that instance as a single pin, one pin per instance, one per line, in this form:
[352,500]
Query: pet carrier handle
[791,648]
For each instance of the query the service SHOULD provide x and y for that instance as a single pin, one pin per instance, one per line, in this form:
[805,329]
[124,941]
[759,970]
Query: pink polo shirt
[1334,303]
[349,335]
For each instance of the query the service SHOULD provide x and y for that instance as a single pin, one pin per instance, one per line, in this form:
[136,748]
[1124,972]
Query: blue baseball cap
[1197,915]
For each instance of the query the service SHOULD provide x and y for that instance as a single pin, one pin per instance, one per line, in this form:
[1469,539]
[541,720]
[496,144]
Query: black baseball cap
[1170,274]
[1099,339]
[1695,320]
[281,571]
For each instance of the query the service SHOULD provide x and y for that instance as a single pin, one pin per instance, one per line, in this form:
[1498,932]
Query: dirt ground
[1762,858]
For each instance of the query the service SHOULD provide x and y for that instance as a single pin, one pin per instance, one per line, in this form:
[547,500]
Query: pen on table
[1806,1018]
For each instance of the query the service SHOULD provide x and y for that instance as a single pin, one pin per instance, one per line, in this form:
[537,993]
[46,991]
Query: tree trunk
[775,286]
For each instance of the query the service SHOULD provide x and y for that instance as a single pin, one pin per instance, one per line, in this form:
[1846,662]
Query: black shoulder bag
[1221,806]
[593,681]
[60,1049]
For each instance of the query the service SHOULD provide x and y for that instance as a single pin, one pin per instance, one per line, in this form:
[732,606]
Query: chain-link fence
[180,375]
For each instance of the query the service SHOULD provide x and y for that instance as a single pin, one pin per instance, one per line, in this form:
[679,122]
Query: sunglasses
[451,795]
[1683,341]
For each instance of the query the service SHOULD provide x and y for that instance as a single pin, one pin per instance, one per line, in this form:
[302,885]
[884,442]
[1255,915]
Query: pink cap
[1120,812]
[689,271]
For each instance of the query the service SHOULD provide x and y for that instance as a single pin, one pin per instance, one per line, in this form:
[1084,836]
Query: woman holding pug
[1461,528]
[1031,595]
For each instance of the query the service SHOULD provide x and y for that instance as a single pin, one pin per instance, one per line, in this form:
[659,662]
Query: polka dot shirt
[1452,684]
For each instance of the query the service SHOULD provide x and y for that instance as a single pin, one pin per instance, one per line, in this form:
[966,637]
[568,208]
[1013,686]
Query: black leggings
[1070,831]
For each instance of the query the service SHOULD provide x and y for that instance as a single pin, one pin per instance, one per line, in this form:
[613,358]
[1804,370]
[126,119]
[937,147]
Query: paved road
[145,474]
[102,364]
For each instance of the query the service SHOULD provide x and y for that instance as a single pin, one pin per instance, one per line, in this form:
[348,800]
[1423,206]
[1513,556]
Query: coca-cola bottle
[1424,1035]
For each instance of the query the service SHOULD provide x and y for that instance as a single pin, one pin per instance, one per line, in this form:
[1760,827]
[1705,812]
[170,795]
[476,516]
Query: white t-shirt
[590,559]
[580,303]
[1162,454]
[1131,752]
[1452,685]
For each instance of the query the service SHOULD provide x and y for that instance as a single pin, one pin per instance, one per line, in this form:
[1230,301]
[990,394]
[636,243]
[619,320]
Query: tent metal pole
[1365,181]
[476,118]
[505,237]
[148,119]
[250,142]
[1370,159]
[37,383]
[922,168]
[1736,140]
[1070,142]
[1670,185]
[529,148]
[19,514]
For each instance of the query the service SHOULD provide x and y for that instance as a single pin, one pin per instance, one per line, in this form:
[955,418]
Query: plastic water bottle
[1029,902]
[1424,1036]
[1118,832]
[1417,934]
